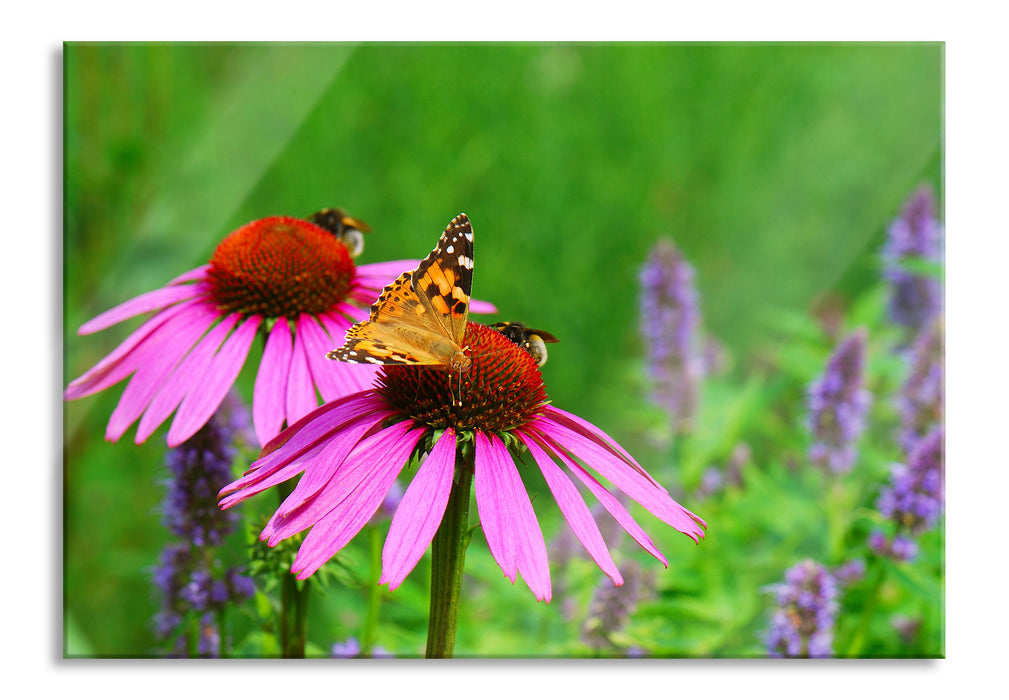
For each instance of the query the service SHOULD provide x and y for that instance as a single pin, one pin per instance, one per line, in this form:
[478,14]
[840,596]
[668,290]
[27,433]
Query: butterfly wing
[395,332]
[444,279]
[419,319]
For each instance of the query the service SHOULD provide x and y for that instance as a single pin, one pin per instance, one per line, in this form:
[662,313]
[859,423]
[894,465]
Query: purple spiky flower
[838,403]
[612,607]
[190,579]
[669,327]
[915,235]
[921,397]
[802,626]
[916,497]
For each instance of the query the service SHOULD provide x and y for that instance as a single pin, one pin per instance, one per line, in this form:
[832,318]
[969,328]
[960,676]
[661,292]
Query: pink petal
[150,301]
[575,511]
[295,514]
[345,314]
[508,518]
[198,406]
[321,467]
[375,276]
[607,499]
[419,513]
[477,306]
[156,358]
[317,426]
[185,377]
[582,427]
[324,371]
[363,296]
[301,397]
[306,435]
[123,361]
[632,482]
[270,392]
[196,274]
[495,517]
[356,507]
[301,442]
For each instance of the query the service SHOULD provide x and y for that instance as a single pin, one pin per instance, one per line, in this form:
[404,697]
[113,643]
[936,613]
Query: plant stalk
[448,556]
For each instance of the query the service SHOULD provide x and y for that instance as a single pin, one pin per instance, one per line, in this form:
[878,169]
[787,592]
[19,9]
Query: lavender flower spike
[612,607]
[916,498]
[803,624]
[189,577]
[669,327]
[838,403]
[916,234]
[921,397]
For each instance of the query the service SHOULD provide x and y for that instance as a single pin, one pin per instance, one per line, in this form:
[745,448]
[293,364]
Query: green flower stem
[374,594]
[448,556]
[293,616]
[293,606]
[868,610]
[840,504]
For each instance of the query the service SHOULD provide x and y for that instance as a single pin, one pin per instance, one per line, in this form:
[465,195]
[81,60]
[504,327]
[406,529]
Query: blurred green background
[775,168]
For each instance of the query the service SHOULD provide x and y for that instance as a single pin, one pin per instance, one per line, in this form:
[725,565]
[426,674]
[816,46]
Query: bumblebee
[347,229]
[529,339]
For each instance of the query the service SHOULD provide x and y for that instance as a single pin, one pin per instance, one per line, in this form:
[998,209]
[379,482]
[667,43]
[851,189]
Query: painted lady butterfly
[420,319]
[529,339]
[345,228]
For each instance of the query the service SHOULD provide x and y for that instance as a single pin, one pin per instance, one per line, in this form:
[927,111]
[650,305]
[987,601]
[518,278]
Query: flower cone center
[280,266]
[501,389]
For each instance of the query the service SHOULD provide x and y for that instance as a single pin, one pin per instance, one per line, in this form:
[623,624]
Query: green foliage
[776,169]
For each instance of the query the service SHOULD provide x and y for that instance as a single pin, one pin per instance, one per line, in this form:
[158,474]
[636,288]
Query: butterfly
[346,229]
[529,339]
[420,319]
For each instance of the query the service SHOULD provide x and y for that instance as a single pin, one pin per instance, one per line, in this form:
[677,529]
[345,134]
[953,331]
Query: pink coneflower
[352,450]
[293,280]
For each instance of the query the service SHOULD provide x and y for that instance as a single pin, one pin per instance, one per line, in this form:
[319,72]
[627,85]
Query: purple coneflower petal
[343,316]
[271,382]
[297,513]
[122,361]
[302,441]
[575,511]
[150,301]
[219,375]
[355,508]
[507,517]
[155,359]
[419,513]
[375,276]
[301,397]
[197,273]
[326,462]
[476,306]
[613,507]
[326,373]
[587,430]
[632,482]
[187,375]
[492,509]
